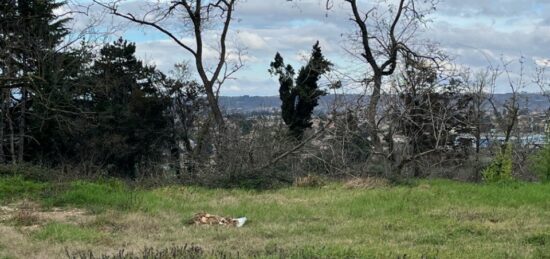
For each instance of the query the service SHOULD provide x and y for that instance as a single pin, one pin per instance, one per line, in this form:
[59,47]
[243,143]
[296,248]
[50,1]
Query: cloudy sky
[475,33]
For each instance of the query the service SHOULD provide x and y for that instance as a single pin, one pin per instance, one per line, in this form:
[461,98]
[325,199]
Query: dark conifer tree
[126,96]
[30,34]
[300,95]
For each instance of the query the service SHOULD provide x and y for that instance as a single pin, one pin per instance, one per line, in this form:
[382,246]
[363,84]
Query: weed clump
[26,215]
[541,163]
[539,240]
[501,168]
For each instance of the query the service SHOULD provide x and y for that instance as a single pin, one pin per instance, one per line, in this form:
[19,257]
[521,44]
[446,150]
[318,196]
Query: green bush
[501,168]
[540,164]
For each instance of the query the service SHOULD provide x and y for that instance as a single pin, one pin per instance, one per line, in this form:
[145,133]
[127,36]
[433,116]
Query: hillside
[248,104]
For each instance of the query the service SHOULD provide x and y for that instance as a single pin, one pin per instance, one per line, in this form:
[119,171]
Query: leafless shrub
[239,155]
[26,215]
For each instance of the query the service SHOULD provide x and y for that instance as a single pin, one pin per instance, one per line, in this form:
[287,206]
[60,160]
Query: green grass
[97,196]
[435,218]
[17,187]
[61,233]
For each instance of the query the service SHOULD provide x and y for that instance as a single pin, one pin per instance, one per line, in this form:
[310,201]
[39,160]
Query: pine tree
[30,32]
[131,109]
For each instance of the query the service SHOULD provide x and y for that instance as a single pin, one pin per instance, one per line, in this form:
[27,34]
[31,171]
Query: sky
[475,34]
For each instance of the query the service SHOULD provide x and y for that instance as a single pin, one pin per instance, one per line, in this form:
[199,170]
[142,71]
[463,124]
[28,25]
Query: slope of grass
[433,218]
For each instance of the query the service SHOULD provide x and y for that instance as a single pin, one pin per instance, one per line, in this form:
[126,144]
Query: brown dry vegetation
[367,183]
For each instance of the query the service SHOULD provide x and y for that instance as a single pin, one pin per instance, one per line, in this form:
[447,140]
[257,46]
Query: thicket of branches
[102,111]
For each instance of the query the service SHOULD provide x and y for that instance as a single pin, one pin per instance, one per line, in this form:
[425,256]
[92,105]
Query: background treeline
[96,110]
[101,108]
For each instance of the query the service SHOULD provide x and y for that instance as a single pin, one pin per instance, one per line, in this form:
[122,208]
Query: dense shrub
[501,167]
[541,163]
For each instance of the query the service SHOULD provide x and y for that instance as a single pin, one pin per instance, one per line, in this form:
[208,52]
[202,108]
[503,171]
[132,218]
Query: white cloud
[543,62]
[252,40]
[474,32]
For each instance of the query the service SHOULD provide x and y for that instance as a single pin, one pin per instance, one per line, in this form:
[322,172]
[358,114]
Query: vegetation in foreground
[363,218]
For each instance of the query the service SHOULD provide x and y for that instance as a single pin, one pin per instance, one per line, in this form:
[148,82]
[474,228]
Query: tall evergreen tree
[130,106]
[300,95]
[30,33]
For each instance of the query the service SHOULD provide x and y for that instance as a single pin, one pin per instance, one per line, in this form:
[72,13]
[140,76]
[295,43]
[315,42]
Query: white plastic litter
[240,222]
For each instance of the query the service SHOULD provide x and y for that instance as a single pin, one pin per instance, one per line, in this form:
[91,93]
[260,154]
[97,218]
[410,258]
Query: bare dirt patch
[31,215]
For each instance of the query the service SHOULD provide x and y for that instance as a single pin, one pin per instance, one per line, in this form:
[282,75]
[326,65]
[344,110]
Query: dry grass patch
[6,213]
[309,181]
[26,218]
[24,222]
[367,183]
[31,214]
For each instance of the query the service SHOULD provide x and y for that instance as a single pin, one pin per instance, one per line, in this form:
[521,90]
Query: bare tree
[379,71]
[424,108]
[477,90]
[542,82]
[199,18]
[507,113]
[187,104]
[384,34]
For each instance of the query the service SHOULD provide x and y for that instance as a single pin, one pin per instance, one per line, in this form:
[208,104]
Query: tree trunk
[2,115]
[478,128]
[22,125]
[510,127]
[12,139]
[372,127]
[213,103]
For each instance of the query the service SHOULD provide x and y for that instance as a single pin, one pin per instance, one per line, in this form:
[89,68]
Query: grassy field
[427,219]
